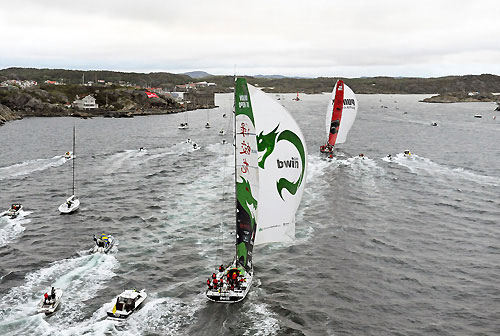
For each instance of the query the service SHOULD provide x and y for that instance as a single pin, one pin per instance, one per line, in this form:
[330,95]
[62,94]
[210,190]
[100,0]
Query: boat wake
[10,229]
[31,166]
[422,165]
[132,158]
[263,320]
[80,278]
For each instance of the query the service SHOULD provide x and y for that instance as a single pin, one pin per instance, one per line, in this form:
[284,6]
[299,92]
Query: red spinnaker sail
[338,105]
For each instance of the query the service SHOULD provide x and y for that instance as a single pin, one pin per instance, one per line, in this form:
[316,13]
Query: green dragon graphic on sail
[267,143]
[246,199]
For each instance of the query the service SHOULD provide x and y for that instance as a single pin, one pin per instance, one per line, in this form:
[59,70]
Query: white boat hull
[75,204]
[226,295]
[122,314]
[105,249]
[52,305]
[11,213]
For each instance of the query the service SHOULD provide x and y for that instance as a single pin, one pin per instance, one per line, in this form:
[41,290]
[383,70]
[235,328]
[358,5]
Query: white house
[85,103]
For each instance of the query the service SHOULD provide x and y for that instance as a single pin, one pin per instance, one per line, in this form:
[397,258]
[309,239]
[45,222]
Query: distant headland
[26,92]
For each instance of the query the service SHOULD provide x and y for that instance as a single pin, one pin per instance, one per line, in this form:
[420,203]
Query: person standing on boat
[46,296]
[209,284]
[53,293]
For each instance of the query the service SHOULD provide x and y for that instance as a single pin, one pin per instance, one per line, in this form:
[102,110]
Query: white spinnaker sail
[349,111]
[282,168]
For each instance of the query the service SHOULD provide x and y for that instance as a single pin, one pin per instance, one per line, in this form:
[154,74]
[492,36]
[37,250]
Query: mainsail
[247,175]
[340,113]
[282,168]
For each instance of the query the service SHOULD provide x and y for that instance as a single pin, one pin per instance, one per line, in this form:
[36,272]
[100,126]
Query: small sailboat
[72,203]
[207,125]
[270,168]
[51,302]
[14,210]
[126,303]
[340,115]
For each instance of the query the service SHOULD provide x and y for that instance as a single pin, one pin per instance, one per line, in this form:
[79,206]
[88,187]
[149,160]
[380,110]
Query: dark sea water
[403,247]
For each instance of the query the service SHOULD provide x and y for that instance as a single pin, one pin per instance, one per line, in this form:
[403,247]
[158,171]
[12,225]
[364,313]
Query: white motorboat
[14,210]
[51,303]
[478,116]
[126,303]
[68,155]
[222,132]
[207,125]
[103,244]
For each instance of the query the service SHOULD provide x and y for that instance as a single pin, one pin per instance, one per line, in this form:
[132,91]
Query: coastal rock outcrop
[6,114]
[461,97]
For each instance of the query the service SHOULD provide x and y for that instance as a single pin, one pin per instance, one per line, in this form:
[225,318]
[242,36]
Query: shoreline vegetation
[124,95]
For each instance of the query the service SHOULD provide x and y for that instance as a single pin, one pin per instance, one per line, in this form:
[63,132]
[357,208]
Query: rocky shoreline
[462,97]
[6,114]
[16,103]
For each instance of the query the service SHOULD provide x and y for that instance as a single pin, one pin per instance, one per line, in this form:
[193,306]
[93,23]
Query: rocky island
[462,97]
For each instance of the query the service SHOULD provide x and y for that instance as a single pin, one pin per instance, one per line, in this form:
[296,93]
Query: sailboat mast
[235,168]
[74,157]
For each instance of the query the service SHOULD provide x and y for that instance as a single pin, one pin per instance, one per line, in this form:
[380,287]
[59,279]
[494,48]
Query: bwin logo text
[293,163]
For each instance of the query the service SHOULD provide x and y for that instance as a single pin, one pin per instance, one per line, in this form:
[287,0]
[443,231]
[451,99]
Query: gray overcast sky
[350,38]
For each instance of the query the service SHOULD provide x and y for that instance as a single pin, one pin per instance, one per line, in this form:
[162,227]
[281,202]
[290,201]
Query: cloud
[315,37]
